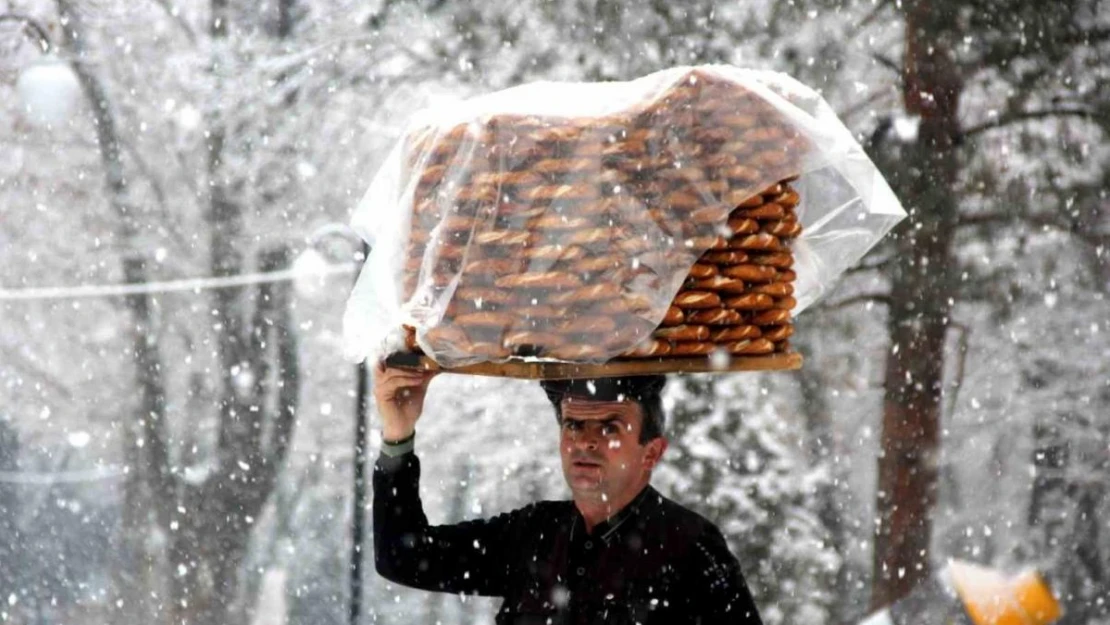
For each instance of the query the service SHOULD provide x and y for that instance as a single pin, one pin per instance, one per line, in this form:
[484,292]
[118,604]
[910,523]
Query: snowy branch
[1023,116]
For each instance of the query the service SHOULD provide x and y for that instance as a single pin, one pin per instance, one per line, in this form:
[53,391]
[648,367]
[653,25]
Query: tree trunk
[143,443]
[919,312]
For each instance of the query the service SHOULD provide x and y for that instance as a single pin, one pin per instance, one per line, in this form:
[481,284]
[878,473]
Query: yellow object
[993,599]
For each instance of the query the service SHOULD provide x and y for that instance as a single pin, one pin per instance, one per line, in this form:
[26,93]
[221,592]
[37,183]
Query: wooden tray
[566,370]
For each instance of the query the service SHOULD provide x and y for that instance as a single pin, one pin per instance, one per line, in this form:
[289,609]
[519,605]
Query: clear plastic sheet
[559,220]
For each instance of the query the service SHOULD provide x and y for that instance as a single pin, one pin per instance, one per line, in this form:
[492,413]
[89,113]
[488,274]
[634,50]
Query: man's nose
[586,439]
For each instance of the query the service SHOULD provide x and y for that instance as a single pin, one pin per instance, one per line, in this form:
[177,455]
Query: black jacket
[654,562]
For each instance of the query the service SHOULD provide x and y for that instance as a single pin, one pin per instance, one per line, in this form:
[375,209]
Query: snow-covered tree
[740,462]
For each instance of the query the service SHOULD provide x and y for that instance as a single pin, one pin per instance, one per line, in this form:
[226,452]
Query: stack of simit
[568,238]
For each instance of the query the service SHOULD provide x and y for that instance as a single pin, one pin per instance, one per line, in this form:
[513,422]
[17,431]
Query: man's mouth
[585,463]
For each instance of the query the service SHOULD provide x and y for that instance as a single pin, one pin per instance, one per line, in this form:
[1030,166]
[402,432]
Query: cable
[192,284]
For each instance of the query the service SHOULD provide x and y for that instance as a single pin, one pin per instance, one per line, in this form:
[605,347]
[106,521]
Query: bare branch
[1023,116]
[961,362]
[887,63]
[863,298]
[1039,220]
[867,19]
[29,23]
[190,34]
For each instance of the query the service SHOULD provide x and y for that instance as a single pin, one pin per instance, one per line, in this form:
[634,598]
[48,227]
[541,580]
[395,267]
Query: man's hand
[400,395]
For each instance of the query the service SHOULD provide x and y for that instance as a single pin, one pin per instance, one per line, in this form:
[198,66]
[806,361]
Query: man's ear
[653,451]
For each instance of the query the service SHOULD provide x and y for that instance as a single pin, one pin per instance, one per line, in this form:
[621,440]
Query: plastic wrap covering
[559,221]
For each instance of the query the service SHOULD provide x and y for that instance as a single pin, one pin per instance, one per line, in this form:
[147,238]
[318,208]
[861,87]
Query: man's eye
[610,429]
[572,426]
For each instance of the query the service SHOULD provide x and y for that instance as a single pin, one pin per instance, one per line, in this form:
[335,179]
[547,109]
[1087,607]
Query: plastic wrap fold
[559,220]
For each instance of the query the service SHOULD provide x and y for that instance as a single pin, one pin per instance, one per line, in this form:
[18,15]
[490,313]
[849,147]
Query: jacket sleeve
[719,585]
[469,557]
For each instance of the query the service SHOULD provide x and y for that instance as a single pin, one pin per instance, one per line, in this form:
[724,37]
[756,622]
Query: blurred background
[183,452]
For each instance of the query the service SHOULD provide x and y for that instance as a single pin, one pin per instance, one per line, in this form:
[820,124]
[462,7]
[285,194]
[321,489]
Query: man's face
[601,451]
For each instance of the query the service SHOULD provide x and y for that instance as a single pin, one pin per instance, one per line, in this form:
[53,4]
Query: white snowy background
[144,475]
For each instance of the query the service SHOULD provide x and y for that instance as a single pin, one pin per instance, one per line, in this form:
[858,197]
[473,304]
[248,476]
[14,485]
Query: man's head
[611,433]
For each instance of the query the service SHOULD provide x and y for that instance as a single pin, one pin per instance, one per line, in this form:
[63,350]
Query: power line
[191,284]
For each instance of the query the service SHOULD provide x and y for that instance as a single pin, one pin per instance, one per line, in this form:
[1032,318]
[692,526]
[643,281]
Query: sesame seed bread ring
[580,191]
[788,198]
[555,252]
[504,237]
[741,225]
[735,333]
[485,319]
[596,264]
[477,193]
[588,325]
[772,159]
[682,174]
[775,316]
[539,280]
[737,120]
[776,289]
[576,352]
[763,134]
[750,347]
[565,165]
[626,304]
[720,160]
[649,349]
[741,174]
[750,273]
[758,241]
[592,293]
[593,236]
[719,284]
[533,314]
[682,333]
[785,302]
[701,271]
[750,301]
[495,266]
[781,260]
[710,134]
[697,299]
[783,229]
[528,338]
[725,257]
[683,200]
[673,317]
[554,221]
[692,348]
[766,211]
[779,333]
[785,275]
[715,317]
[742,196]
[706,215]
[480,296]
[752,201]
[706,242]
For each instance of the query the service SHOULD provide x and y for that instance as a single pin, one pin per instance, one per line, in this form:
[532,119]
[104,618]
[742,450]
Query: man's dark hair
[643,389]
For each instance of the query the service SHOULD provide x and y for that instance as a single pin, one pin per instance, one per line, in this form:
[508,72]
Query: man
[618,553]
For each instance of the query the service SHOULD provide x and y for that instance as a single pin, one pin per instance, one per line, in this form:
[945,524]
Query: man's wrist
[398,447]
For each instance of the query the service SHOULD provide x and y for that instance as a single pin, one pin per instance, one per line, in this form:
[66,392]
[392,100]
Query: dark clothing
[655,562]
